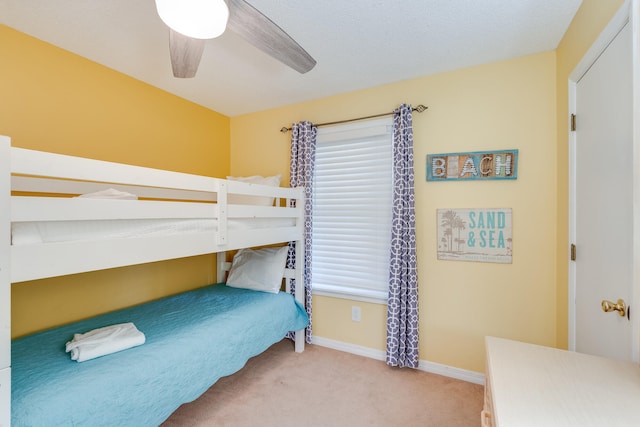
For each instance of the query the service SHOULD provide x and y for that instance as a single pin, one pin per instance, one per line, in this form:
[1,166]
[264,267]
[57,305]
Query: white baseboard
[451,372]
[432,367]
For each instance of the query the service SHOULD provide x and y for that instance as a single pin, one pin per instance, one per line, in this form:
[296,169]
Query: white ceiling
[357,43]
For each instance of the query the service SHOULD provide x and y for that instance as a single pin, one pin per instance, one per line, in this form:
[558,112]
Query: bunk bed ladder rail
[5,283]
[223,213]
[300,264]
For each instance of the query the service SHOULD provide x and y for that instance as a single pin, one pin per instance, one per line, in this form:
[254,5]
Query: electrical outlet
[355,313]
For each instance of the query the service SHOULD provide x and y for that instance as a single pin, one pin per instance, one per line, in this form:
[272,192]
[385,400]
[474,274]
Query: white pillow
[237,199]
[258,269]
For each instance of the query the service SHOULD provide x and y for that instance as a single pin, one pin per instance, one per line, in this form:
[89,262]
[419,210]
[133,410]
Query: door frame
[628,12]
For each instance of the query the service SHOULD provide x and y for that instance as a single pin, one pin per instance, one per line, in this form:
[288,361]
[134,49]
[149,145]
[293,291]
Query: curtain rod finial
[420,108]
[285,129]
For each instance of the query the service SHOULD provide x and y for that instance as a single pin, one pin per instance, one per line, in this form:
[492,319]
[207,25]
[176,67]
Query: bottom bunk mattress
[192,340]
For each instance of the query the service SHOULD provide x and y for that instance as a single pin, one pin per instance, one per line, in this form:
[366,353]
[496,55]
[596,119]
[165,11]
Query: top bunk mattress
[192,340]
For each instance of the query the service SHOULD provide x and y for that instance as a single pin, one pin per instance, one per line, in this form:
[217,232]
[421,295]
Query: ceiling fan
[192,22]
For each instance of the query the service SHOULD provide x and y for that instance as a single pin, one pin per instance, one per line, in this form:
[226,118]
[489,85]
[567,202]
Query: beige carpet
[325,387]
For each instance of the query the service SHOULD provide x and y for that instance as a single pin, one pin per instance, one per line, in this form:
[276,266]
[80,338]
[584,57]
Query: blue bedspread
[192,340]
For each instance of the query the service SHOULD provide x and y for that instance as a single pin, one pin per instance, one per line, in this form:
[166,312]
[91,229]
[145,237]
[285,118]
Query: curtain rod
[420,108]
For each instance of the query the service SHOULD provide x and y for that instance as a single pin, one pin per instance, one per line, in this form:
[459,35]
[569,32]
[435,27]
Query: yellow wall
[56,101]
[502,105]
[587,25]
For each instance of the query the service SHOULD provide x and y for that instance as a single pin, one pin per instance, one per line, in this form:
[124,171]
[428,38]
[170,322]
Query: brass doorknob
[620,307]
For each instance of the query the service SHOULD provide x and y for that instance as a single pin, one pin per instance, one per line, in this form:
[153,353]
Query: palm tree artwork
[451,221]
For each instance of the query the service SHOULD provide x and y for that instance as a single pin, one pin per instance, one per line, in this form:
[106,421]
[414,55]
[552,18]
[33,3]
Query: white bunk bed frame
[174,194]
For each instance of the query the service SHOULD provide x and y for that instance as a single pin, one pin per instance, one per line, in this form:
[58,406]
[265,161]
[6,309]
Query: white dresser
[531,385]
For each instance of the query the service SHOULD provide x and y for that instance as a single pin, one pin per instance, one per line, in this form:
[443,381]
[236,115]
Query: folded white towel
[109,193]
[103,341]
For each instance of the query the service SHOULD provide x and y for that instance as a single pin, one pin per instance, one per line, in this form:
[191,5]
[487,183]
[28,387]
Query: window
[352,211]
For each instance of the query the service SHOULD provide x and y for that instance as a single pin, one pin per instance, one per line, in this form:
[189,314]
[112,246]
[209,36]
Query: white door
[603,214]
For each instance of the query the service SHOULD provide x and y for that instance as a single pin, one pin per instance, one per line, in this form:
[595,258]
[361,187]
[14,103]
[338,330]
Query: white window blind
[352,211]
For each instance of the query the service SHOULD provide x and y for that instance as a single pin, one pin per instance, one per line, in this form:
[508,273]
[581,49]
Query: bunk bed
[191,339]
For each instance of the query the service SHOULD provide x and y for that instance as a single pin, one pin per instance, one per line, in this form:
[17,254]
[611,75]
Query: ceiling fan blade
[249,23]
[185,54]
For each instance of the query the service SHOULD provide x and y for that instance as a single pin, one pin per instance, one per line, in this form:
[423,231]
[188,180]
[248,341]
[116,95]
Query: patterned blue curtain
[402,316]
[303,156]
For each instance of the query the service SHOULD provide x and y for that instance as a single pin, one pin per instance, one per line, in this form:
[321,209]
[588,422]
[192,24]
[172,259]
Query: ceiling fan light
[199,19]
